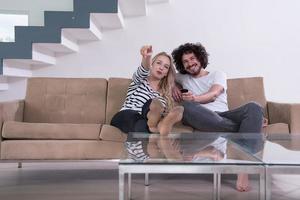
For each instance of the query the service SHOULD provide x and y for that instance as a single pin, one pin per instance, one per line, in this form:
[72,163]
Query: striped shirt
[139,92]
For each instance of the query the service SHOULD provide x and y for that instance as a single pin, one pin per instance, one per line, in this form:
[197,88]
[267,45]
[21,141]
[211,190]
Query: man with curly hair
[205,100]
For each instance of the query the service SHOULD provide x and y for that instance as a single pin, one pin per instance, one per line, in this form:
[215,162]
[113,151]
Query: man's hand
[188,96]
[177,95]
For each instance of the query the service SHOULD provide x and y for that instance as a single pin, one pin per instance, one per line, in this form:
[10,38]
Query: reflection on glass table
[280,154]
[194,153]
[200,147]
[187,150]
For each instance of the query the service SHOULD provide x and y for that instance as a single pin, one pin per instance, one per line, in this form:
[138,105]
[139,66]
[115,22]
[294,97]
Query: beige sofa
[68,118]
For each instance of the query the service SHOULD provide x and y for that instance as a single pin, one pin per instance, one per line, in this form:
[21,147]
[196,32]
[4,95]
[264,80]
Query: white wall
[34,8]
[244,38]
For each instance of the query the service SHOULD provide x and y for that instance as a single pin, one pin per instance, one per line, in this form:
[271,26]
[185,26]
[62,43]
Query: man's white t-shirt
[202,84]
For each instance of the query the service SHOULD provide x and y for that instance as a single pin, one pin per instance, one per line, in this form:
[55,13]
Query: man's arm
[210,96]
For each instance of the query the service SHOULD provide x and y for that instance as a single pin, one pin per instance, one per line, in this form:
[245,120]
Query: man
[205,100]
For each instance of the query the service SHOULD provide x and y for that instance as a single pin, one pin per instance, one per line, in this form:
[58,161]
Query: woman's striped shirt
[139,92]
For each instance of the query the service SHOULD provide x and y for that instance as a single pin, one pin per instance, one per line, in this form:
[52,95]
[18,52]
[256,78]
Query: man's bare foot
[242,183]
[166,124]
[265,122]
[154,115]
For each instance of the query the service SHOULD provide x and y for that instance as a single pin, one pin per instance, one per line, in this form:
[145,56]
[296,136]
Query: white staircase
[45,54]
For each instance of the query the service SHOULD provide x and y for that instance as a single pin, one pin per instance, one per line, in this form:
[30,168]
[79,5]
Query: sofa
[69,118]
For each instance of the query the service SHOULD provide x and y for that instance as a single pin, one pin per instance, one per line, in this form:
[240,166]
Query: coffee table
[196,153]
[280,155]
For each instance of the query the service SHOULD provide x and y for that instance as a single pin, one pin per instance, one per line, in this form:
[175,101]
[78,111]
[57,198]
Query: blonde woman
[148,106]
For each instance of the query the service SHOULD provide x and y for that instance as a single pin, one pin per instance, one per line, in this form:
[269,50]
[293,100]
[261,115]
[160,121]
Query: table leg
[217,185]
[268,184]
[146,179]
[121,186]
[262,185]
[129,186]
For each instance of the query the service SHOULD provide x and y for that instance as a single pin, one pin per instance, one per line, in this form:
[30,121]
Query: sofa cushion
[23,130]
[116,94]
[276,128]
[61,149]
[65,100]
[111,133]
[243,90]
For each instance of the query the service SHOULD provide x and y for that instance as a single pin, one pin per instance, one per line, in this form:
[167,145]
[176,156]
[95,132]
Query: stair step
[108,21]
[24,37]
[132,8]
[93,33]
[67,45]
[4,86]
[16,69]
[3,83]
[40,58]
[157,1]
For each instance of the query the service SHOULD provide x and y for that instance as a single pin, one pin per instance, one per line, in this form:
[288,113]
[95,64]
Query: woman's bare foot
[154,115]
[242,183]
[153,148]
[166,124]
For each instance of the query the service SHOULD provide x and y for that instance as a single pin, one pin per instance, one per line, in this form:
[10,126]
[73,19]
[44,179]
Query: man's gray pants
[245,119]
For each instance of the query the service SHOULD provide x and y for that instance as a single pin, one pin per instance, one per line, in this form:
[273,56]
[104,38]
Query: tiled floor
[99,180]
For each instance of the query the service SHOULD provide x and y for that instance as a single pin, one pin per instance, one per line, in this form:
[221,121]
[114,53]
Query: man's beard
[194,72]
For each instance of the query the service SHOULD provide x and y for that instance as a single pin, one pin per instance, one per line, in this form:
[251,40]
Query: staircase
[63,32]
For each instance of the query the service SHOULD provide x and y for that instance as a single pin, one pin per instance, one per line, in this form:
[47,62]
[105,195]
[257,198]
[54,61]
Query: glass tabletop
[194,148]
[280,149]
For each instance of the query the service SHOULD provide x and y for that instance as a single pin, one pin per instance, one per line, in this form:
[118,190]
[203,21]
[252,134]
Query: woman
[148,99]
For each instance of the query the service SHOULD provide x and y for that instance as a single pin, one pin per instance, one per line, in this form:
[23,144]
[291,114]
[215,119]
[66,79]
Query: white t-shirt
[202,84]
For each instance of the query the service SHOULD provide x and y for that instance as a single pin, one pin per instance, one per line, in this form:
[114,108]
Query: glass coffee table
[195,153]
[280,155]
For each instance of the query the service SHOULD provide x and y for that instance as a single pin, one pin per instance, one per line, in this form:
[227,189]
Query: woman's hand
[176,94]
[146,52]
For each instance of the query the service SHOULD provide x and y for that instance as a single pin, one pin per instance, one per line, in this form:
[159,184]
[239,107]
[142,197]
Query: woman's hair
[166,84]
[197,48]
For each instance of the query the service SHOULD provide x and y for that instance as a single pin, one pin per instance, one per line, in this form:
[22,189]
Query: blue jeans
[245,119]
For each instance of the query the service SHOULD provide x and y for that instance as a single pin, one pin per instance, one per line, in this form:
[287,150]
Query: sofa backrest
[243,90]
[65,100]
[116,94]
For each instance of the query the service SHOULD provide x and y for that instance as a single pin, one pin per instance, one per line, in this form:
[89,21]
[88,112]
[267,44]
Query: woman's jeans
[132,121]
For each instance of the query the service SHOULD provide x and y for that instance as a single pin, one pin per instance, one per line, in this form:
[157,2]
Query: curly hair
[196,48]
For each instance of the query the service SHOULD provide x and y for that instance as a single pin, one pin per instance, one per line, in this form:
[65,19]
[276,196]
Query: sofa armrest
[288,113]
[11,111]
